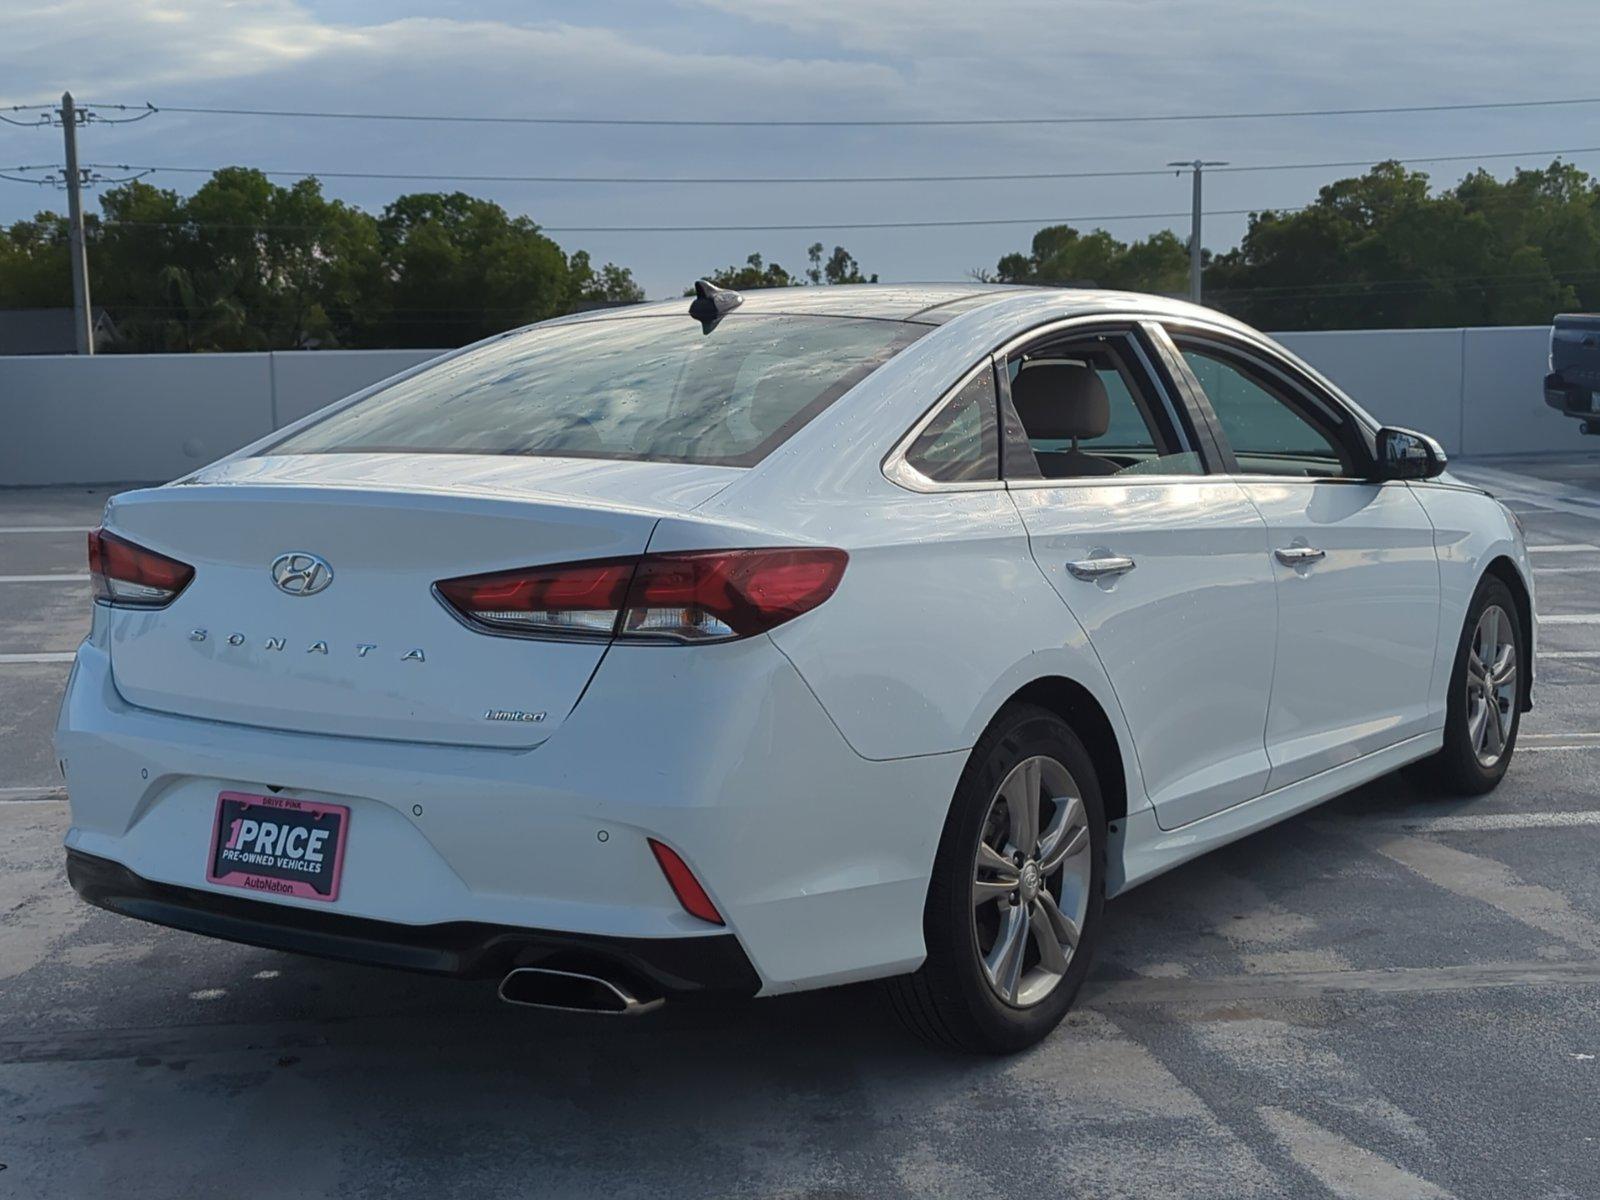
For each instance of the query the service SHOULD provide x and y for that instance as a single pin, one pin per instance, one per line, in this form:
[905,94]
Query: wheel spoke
[1075,842]
[1022,799]
[1494,728]
[996,876]
[1475,666]
[1067,816]
[990,859]
[1478,726]
[985,891]
[1003,963]
[1051,957]
[1062,926]
[1491,635]
[1505,667]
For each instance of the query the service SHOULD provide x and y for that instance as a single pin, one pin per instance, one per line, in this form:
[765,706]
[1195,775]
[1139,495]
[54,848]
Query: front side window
[1271,431]
[961,444]
[650,387]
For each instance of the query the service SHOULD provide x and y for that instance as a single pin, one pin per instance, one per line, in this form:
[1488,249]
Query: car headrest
[1061,400]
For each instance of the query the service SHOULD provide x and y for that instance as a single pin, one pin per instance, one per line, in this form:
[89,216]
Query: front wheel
[1484,708]
[1015,903]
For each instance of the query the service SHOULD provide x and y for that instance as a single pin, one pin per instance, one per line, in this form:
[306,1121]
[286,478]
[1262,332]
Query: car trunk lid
[373,652]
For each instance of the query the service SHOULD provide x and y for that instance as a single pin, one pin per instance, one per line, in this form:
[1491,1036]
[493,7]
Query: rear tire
[1009,942]
[1484,708]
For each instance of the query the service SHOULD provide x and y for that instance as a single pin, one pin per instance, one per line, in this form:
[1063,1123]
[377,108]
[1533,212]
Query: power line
[854,122]
[48,115]
[780,228]
[790,180]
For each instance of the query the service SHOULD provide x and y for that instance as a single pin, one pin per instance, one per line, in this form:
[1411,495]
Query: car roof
[923,303]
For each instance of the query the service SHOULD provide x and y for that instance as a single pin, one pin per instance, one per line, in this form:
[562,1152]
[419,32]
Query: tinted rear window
[651,388]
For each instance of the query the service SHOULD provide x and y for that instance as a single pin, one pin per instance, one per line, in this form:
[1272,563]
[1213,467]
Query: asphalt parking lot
[1390,996]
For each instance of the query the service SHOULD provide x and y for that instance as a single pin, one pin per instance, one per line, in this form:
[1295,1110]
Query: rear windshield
[652,388]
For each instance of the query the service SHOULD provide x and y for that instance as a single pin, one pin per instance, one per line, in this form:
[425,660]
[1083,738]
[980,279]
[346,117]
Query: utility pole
[1198,166]
[83,321]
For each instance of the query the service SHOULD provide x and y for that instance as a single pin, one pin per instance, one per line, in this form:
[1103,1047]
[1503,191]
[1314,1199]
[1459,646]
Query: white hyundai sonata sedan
[779,641]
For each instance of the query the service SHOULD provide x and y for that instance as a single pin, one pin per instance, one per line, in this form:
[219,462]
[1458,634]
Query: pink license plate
[278,846]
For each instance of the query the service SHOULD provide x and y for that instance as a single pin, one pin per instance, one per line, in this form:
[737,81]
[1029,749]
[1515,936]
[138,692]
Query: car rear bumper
[817,859]
[677,967]
[1572,399]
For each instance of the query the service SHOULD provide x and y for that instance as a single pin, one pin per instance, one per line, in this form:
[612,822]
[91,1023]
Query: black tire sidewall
[982,1018]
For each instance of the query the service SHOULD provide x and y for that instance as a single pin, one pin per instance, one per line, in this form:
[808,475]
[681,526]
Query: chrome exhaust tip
[573,991]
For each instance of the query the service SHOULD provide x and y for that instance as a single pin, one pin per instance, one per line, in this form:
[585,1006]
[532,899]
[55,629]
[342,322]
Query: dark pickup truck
[1573,385]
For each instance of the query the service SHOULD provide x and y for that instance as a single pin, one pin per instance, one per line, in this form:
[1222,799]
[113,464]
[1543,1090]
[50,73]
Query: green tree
[1061,255]
[611,284]
[461,269]
[1382,250]
[246,264]
[34,268]
[242,264]
[841,267]
[756,273]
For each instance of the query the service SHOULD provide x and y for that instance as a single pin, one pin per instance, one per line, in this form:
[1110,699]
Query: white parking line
[1484,822]
[1563,548]
[1295,985]
[1344,1168]
[1533,743]
[45,528]
[1569,654]
[1570,619]
[1488,881]
[16,794]
[52,656]
[57,578]
[1565,570]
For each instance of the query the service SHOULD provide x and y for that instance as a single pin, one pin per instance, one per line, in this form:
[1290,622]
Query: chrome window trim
[900,473]
[1019,485]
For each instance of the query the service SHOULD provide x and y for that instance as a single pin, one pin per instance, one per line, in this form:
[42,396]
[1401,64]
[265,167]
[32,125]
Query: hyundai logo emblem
[301,574]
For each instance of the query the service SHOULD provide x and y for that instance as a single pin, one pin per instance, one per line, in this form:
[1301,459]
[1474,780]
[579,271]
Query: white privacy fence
[125,418]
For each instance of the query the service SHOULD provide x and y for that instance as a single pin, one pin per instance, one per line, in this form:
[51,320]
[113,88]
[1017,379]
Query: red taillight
[690,596]
[128,575]
[579,599]
[684,885]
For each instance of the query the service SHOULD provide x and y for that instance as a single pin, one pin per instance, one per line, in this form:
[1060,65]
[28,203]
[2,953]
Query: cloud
[145,46]
[798,58]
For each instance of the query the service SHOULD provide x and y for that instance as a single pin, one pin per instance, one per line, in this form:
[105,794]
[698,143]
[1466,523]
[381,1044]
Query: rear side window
[961,444]
[653,388]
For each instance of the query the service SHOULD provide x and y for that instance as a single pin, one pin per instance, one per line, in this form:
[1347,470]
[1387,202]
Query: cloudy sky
[805,59]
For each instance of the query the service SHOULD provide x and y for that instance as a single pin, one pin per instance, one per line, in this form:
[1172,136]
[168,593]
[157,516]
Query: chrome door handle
[1104,567]
[1295,556]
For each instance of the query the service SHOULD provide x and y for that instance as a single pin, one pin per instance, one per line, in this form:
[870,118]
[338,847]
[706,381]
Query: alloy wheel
[1030,882]
[1491,685]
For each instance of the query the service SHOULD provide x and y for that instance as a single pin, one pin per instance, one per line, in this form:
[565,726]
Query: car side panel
[1186,636]
[1357,628]
[1470,531]
[940,608]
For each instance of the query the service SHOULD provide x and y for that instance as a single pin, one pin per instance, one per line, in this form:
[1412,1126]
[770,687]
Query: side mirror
[1406,454]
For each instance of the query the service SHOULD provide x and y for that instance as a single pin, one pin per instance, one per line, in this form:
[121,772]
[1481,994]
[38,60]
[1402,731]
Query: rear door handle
[1299,556]
[1106,566]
